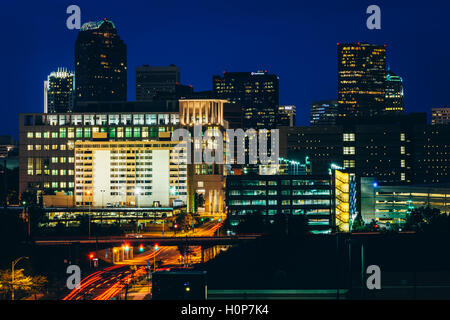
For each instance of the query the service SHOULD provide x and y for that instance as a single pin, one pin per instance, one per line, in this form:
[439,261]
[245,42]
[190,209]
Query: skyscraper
[153,80]
[286,116]
[59,91]
[394,93]
[361,79]
[440,115]
[256,92]
[324,113]
[100,63]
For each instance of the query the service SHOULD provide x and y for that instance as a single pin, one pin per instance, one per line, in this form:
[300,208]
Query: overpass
[162,241]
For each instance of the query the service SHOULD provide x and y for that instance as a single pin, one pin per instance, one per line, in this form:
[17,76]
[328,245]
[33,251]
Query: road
[109,282]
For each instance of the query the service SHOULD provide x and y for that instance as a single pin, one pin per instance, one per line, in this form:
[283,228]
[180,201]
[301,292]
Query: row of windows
[274,183]
[295,202]
[129,132]
[275,192]
[47,172]
[106,119]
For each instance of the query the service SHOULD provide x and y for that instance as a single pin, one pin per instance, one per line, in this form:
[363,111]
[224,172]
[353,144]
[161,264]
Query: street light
[155,247]
[13,264]
[137,193]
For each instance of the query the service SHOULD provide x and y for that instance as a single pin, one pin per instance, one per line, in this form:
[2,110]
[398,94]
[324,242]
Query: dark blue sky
[294,39]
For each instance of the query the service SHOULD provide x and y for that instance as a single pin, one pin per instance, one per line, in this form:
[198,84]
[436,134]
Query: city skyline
[197,68]
[224,151]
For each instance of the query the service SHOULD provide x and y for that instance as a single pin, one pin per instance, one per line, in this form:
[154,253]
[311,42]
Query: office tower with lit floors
[100,63]
[361,79]
[59,90]
[324,113]
[394,94]
[440,115]
[256,92]
[286,116]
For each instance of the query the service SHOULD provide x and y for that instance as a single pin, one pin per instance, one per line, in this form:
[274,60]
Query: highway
[109,282]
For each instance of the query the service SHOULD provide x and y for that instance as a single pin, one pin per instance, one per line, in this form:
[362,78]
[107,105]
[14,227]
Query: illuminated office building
[100,63]
[59,91]
[361,79]
[324,113]
[69,153]
[430,144]
[286,116]
[256,92]
[208,180]
[318,197]
[47,142]
[440,115]
[394,94]
[130,173]
[382,150]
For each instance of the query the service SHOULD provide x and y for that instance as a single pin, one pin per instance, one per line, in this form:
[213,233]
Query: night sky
[295,40]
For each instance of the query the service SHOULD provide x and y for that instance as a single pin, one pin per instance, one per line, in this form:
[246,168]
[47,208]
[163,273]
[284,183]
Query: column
[210,201]
[182,116]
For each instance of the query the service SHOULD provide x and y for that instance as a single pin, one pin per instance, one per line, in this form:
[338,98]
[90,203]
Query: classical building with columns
[208,180]
[202,111]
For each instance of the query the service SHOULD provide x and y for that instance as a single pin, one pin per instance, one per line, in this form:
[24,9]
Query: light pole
[137,192]
[89,192]
[156,247]
[13,264]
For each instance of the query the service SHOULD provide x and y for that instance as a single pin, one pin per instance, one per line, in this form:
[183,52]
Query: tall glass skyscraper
[361,79]
[59,91]
[394,93]
[100,63]
[256,92]
[324,113]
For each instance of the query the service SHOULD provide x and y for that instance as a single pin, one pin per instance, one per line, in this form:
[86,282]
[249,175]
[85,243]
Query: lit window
[349,150]
[349,137]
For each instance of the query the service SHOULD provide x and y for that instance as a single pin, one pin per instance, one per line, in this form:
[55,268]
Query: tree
[199,201]
[359,225]
[184,221]
[22,283]
[29,197]
[427,219]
